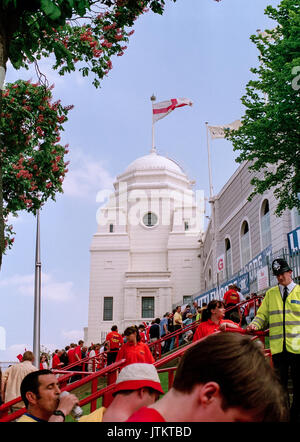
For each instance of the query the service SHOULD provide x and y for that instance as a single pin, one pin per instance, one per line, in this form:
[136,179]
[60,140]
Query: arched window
[265,226]
[228,258]
[209,277]
[245,244]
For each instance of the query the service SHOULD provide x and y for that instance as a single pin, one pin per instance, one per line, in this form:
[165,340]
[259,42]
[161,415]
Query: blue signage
[294,240]
[261,260]
[242,281]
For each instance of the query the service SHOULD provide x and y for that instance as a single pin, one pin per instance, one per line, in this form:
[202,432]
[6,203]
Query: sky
[200,50]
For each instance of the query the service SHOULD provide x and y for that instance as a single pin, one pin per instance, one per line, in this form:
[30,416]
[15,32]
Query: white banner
[262,278]
[219,131]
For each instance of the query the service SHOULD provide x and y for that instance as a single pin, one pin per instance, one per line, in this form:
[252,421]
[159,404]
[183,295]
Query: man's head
[236,287]
[231,379]
[178,309]
[80,343]
[114,328]
[140,383]
[40,392]
[282,271]
[28,356]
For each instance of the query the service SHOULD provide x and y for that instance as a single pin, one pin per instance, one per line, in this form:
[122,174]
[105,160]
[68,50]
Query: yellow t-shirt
[29,418]
[96,416]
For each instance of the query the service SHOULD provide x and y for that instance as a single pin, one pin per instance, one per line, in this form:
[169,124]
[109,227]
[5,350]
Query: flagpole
[211,190]
[37,296]
[153,98]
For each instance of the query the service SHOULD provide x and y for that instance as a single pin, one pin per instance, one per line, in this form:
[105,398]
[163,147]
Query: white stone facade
[230,211]
[145,252]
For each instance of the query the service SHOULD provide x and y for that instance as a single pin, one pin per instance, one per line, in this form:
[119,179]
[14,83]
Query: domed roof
[153,161]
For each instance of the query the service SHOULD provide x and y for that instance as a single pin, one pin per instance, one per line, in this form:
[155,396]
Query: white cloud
[86,177]
[52,290]
[15,219]
[11,352]
[72,335]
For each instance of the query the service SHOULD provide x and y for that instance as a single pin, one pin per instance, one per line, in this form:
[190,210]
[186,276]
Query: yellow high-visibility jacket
[283,321]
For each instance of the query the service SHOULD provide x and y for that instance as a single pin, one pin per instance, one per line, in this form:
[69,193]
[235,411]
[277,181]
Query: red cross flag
[164,108]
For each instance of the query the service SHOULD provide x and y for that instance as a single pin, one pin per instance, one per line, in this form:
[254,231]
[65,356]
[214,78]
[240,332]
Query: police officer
[281,310]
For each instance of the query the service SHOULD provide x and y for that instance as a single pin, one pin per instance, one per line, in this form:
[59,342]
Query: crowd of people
[225,376]
[132,345]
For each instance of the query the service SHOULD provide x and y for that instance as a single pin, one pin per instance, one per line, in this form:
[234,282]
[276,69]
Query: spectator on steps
[114,342]
[134,350]
[213,321]
[137,386]
[40,392]
[154,333]
[13,376]
[223,378]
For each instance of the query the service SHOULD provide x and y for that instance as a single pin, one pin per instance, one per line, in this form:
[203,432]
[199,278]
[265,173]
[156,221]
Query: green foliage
[39,28]
[79,33]
[270,132]
[33,166]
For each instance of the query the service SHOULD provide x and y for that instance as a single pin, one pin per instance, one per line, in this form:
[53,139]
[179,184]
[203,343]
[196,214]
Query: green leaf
[50,9]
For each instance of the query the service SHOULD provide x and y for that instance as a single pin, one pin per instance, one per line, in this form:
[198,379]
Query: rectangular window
[266,230]
[186,225]
[228,260]
[147,307]
[111,228]
[108,308]
[245,246]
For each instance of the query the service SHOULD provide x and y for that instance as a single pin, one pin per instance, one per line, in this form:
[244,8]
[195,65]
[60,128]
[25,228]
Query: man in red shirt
[76,357]
[231,299]
[114,341]
[56,362]
[70,353]
[206,388]
[77,352]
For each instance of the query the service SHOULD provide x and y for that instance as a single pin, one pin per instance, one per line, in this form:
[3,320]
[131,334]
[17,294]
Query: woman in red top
[212,320]
[134,350]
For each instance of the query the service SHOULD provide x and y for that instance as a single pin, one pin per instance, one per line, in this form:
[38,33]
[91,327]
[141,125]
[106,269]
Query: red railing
[111,370]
